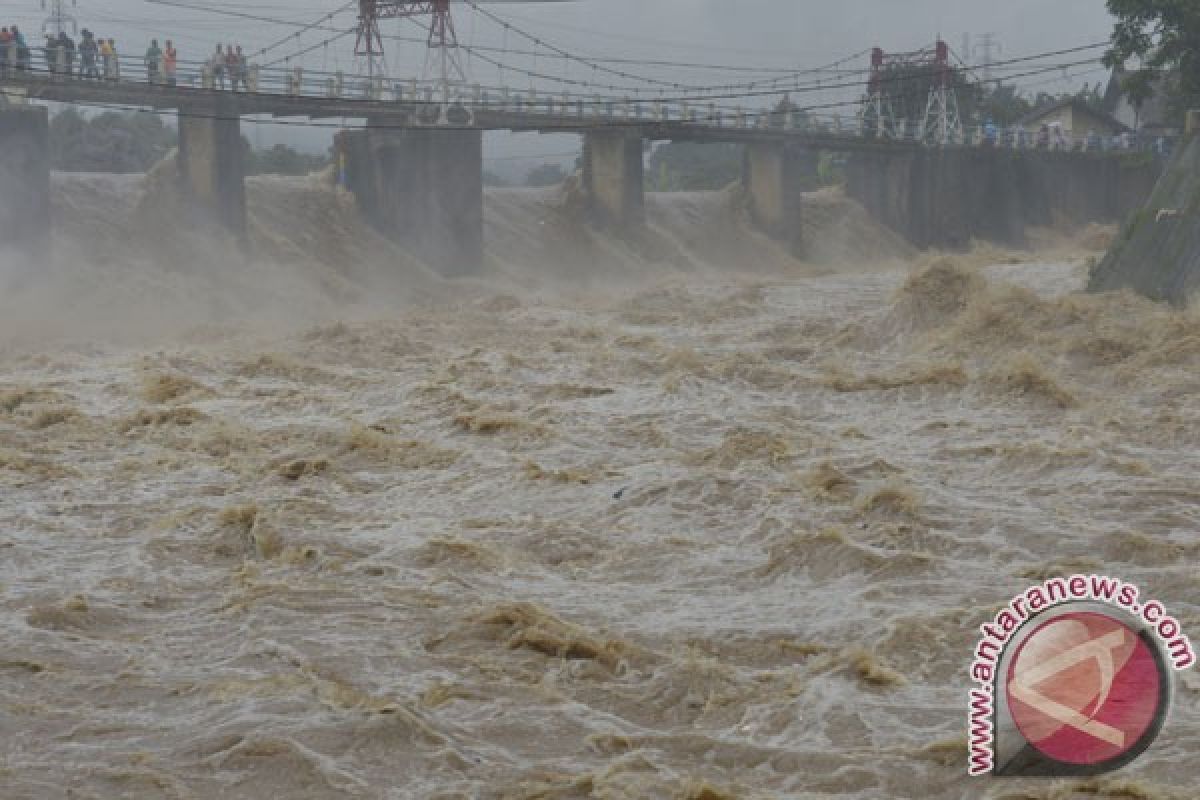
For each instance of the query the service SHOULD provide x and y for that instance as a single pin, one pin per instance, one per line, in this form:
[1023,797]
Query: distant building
[1153,116]
[1076,118]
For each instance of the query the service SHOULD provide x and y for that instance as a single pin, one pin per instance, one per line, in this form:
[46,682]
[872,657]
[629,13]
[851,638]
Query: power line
[595,65]
[704,93]
[820,87]
[592,123]
[307,50]
[327,18]
[243,14]
[988,46]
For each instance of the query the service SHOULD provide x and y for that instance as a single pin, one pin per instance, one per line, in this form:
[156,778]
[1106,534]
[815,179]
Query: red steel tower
[890,78]
[370,12]
[442,42]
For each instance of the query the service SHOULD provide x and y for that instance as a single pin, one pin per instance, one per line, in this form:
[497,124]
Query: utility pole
[988,47]
[59,20]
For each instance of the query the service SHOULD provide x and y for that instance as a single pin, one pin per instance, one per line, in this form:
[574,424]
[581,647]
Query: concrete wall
[937,198]
[24,178]
[614,178]
[1157,252]
[774,176]
[421,188]
[212,171]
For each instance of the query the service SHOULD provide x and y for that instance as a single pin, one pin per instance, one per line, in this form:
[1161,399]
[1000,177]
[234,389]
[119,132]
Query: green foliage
[1165,36]
[546,175]
[909,85]
[108,142]
[831,169]
[693,166]
[1004,105]
[1092,98]
[492,179]
[134,142]
[283,160]
[699,167]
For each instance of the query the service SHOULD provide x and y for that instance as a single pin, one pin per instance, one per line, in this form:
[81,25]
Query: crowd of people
[14,50]
[1052,136]
[97,58]
[229,62]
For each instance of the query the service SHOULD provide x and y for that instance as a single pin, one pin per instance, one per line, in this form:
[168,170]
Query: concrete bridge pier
[24,178]
[773,177]
[422,188]
[211,161]
[614,178]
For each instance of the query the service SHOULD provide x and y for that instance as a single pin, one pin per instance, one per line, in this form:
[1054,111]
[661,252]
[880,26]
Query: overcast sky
[759,33]
[795,31]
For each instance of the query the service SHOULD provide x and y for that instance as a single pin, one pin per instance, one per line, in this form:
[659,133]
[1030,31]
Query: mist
[690,472]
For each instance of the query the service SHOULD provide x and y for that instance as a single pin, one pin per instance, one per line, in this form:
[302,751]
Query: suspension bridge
[410,148]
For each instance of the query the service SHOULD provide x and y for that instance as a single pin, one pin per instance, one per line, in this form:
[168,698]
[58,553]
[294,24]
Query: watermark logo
[1074,677]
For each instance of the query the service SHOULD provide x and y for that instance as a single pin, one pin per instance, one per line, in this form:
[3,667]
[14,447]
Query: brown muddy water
[726,536]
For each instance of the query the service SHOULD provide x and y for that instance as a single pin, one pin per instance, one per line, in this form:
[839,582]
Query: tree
[1165,36]
[1004,105]
[108,142]
[492,179]
[546,175]
[283,160]
[693,166]
[908,86]
[1092,97]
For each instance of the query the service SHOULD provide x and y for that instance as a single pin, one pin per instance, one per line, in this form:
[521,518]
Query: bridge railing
[286,81]
[427,100]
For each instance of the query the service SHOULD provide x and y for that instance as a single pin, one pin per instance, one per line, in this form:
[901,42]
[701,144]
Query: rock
[1157,253]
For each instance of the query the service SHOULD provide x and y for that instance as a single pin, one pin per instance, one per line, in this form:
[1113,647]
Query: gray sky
[775,31]
[758,33]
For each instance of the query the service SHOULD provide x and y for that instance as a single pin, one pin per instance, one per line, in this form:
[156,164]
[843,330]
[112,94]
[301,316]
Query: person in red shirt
[8,47]
[232,68]
[170,62]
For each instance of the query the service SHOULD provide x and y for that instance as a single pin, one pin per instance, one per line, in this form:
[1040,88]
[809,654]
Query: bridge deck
[200,101]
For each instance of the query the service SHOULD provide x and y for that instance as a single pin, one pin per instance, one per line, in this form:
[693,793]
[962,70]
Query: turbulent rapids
[673,518]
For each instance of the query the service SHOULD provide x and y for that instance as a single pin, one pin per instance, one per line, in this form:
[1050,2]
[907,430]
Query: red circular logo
[1084,688]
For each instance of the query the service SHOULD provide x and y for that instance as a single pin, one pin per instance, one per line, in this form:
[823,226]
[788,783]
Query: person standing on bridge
[233,67]
[88,51]
[24,56]
[50,53]
[108,54]
[67,53]
[8,56]
[217,65]
[990,133]
[153,61]
[170,62]
[1060,136]
[243,69]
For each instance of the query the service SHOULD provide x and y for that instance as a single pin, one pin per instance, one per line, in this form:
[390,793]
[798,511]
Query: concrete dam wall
[1158,250]
[25,178]
[946,198]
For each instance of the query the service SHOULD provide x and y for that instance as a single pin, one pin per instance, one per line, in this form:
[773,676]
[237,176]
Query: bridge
[414,161]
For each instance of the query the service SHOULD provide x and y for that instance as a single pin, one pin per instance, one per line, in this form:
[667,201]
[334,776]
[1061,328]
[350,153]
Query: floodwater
[725,533]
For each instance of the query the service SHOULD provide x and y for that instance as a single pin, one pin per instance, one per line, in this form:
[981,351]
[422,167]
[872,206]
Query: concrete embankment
[1157,253]
[946,198]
